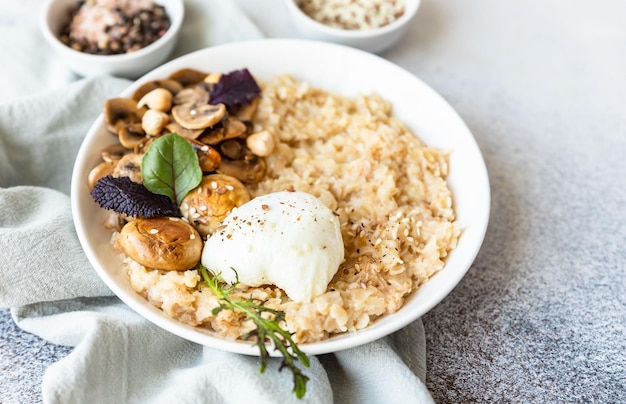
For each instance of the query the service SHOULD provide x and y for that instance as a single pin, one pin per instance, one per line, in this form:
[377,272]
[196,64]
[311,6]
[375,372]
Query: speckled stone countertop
[541,315]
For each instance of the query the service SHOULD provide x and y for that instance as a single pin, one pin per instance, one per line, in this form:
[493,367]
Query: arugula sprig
[268,329]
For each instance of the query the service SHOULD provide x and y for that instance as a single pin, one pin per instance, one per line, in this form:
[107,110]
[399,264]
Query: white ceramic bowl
[372,40]
[421,108]
[54,15]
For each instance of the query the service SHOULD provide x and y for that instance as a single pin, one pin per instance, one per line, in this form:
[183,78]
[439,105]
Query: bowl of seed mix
[124,38]
[371,25]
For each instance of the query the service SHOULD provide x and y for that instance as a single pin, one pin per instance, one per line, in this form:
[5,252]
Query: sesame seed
[154,231]
[192,236]
[205,148]
[203,208]
[229,187]
[378,241]
[213,184]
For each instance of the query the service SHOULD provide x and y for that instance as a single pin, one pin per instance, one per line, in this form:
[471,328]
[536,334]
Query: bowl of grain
[112,37]
[370,25]
[390,157]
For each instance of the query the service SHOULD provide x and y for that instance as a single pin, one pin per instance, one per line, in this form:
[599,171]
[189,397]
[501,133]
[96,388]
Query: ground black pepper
[130,33]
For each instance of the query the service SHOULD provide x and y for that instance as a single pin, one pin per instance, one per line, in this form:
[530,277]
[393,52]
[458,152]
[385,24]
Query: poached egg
[288,239]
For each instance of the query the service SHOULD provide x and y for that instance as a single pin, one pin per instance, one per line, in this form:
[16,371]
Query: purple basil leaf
[125,196]
[234,89]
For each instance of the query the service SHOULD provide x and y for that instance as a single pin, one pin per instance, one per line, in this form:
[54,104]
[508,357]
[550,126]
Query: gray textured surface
[541,315]
[23,359]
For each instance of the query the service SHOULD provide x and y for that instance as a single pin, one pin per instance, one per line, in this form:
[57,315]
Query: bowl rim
[437,287]
[410,11]
[172,32]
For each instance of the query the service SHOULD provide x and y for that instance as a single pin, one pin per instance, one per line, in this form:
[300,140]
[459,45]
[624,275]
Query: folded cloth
[31,67]
[120,357]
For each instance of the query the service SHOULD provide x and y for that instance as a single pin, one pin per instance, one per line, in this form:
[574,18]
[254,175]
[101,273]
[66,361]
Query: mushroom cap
[119,112]
[188,77]
[213,135]
[246,112]
[113,152]
[101,170]
[249,169]
[193,116]
[192,134]
[129,166]
[191,95]
[172,86]
[142,147]
[208,157]
[130,135]
[234,128]
[208,204]
[164,243]
[233,149]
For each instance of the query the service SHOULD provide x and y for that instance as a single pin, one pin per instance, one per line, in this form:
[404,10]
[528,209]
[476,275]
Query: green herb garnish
[268,329]
[170,167]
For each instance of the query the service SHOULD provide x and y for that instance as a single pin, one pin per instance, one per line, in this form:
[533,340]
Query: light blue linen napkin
[119,357]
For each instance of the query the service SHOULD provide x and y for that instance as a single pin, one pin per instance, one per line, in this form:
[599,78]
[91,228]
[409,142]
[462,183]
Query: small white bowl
[373,40]
[55,14]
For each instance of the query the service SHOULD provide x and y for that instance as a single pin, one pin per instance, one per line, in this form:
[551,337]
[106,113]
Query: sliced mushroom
[131,134]
[114,221]
[233,149]
[158,99]
[154,121]
[213,135]
[208,157]
[191,95]
[142,147]
[188,77]
[191,134]
[101,170]
[129,166]
[246,112]
[234,128]
[113,152]
[120,112]
[164,243]
[172,86]
[208,204]
[250,169]
[193,116]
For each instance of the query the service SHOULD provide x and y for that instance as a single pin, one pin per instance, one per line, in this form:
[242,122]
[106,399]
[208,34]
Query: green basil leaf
[170,167]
